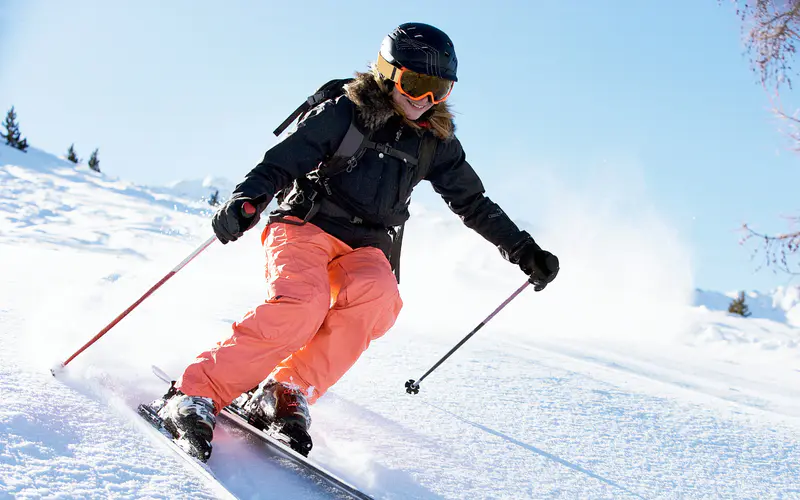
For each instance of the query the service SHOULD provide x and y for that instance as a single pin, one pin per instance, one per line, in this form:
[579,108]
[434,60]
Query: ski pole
[248,210]
[141,299]
[412,386]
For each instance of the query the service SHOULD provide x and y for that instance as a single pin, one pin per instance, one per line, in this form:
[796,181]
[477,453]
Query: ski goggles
[416,86]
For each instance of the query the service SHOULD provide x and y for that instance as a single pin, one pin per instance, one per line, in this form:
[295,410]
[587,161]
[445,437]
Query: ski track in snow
[566,429]
[56,442]
[714,414]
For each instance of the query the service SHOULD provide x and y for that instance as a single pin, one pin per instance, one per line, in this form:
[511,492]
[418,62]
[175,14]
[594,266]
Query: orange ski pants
[325,303]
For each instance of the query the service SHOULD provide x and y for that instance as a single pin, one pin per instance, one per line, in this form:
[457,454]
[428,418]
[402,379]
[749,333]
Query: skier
[331,287]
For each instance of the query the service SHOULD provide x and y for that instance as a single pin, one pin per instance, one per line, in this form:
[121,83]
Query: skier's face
[411,109]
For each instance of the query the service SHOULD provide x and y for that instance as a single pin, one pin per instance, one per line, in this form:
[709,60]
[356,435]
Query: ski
[150,415]
[278,444]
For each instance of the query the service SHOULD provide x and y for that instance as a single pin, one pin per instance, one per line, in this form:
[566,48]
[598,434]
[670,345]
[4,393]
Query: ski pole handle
[248,210]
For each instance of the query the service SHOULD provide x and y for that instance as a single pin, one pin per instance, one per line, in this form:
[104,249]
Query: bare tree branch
[772,33]
[794,126]
[777,249]
[772,29]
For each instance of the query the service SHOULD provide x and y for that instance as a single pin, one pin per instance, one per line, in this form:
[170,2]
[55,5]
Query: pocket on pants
[387,320]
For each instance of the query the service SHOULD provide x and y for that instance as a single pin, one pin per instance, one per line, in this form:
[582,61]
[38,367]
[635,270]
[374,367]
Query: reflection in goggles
[415,86]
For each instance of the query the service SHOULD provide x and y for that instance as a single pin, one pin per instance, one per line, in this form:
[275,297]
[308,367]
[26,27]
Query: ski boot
[190,420]
[281,410]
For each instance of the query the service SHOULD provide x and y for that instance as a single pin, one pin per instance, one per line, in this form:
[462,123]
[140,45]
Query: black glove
[231,219]
[540,265]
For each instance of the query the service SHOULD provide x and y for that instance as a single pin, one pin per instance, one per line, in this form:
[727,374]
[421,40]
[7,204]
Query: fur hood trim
[372,96]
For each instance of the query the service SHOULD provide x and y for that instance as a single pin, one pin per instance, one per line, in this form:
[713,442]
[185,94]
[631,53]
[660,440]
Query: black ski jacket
[380,186]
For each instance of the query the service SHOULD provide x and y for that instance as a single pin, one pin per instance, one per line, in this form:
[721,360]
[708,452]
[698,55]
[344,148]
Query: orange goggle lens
[417,86]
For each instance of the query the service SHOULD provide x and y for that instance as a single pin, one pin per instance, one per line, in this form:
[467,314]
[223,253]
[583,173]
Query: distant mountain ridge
[202,189]
[781,305]
[189,189]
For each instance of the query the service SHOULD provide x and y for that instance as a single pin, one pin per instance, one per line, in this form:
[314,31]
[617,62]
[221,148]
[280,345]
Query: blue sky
[659,96]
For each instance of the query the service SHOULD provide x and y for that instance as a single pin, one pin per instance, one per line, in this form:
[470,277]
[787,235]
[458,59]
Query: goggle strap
[387,69]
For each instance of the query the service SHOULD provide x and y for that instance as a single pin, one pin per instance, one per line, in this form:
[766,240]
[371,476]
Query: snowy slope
[607,385]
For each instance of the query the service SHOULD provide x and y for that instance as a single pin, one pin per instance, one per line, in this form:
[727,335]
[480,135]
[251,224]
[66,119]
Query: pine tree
[94,163]
[12,136]
[12,129]
[72,155]
[214,200]
[739,307]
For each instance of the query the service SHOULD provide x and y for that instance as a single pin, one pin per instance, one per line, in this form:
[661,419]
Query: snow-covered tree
[739,307]
[94,163]
[214,199]
[12,136]
[72,155]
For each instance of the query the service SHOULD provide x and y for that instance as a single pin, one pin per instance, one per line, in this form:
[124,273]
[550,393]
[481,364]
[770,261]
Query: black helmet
[421,48]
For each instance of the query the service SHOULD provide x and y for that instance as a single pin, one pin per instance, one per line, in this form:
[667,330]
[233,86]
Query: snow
[615,382]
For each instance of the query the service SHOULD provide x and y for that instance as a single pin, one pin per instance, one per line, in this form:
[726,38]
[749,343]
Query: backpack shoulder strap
[330,90]
[427,149]
[348,152]
[355,142]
